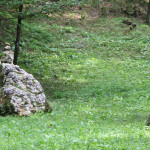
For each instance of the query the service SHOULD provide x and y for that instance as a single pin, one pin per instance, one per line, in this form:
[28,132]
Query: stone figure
[8,55]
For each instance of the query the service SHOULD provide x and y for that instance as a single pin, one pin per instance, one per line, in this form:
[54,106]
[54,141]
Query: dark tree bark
[148,13]
[17,42]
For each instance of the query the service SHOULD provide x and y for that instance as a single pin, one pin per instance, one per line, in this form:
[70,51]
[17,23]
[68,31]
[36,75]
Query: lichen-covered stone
[8,57]
[22,92]
[7,47]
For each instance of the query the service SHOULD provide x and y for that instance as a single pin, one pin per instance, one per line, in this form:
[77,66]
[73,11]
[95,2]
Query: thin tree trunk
[17,42]
[148,13]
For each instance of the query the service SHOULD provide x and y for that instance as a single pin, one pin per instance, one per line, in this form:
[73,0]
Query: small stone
[8,57]
[7,44]
[7,48]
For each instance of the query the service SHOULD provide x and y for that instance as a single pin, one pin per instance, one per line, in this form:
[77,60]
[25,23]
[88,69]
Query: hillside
[95,72]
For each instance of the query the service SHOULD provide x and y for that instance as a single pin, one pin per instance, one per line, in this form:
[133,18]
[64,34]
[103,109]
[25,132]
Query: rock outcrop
[20,93]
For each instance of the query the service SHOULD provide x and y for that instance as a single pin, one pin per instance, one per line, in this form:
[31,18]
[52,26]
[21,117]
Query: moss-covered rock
[5,106]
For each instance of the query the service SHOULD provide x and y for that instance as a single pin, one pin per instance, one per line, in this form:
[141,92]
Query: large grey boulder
[20,93]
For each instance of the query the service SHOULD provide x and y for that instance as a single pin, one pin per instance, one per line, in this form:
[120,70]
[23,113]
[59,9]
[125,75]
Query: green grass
[95,74]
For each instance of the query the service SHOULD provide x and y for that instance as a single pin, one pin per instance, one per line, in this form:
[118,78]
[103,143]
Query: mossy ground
[95,72]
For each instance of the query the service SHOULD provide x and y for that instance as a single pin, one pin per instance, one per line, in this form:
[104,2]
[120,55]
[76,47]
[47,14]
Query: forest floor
[96,74]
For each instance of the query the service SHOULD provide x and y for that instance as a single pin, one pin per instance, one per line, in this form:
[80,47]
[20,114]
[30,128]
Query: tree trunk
[17,42]
[148,13]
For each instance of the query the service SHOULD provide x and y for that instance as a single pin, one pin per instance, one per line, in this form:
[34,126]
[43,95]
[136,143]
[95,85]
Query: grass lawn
[96,75]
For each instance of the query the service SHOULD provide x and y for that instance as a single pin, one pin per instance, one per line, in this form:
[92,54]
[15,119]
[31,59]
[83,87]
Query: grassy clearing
[96,75]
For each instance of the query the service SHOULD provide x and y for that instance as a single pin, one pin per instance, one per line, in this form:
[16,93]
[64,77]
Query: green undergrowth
[95,74]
